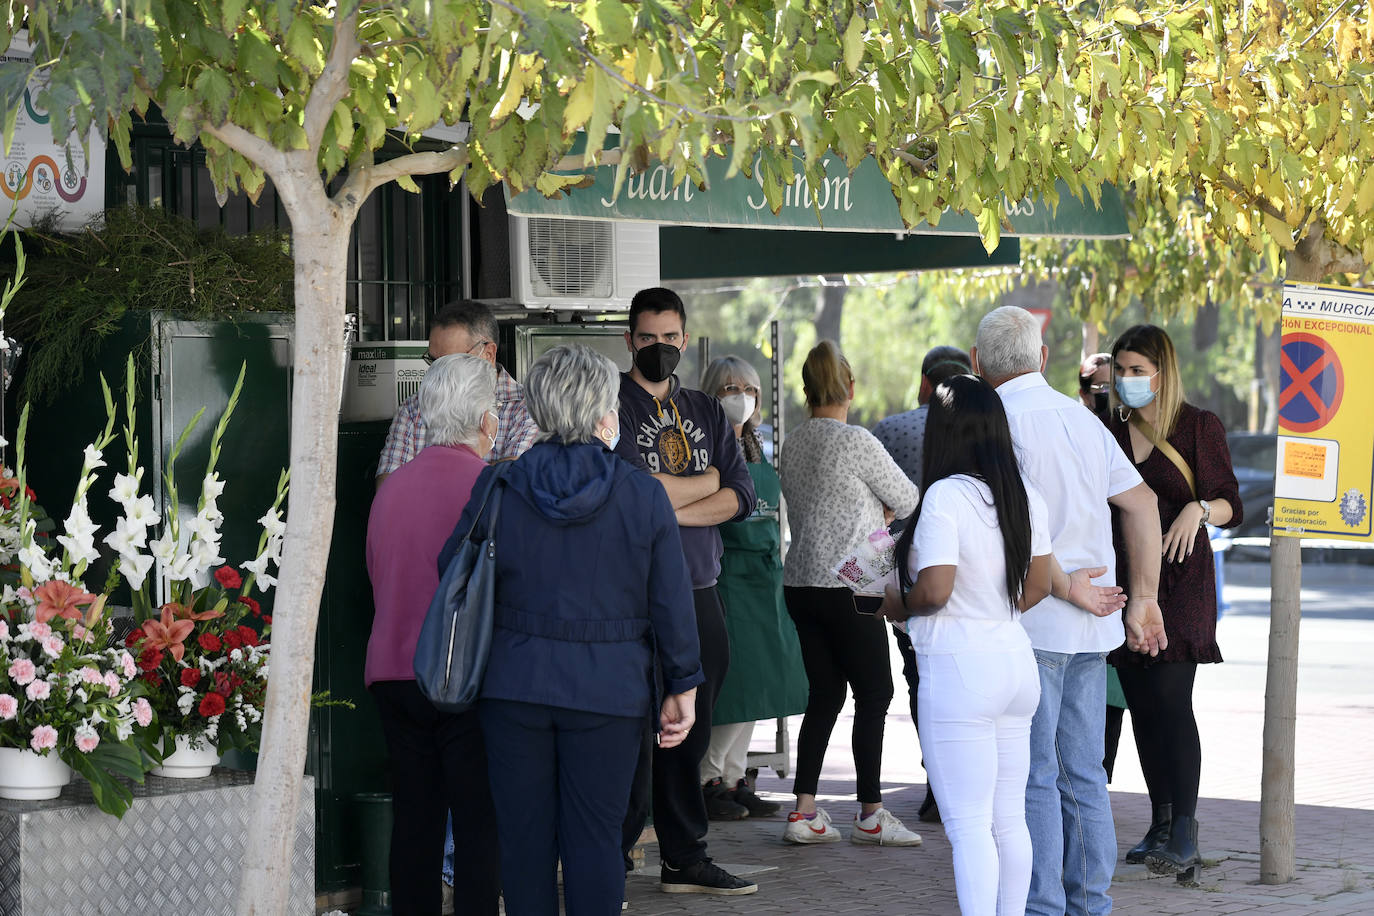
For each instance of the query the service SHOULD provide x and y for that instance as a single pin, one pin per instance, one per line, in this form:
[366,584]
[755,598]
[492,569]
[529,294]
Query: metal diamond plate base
[176,852]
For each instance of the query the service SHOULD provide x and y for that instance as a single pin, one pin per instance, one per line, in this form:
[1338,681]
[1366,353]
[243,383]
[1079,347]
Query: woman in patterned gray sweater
[840,485]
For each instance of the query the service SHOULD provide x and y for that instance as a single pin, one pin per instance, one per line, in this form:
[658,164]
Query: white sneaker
[883,829]
[802,830]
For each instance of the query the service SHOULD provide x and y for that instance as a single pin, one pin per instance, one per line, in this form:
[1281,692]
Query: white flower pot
[188,762]
[27,776]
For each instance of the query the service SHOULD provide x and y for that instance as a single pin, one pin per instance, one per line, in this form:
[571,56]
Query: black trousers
[562,777]
[840,647]
[1160,698]
[438,764]
[669,780]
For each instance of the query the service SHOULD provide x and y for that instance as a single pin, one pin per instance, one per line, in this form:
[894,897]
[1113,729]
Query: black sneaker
[720,803]
[704,877]
[757,807]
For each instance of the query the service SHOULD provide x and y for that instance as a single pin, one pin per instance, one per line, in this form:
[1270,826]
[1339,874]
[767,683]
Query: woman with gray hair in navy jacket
[594,631]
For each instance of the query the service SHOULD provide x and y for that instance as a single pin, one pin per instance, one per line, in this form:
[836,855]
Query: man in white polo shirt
[1069,456]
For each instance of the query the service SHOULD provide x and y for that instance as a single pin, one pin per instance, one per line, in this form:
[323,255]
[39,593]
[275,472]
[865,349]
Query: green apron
[766,678]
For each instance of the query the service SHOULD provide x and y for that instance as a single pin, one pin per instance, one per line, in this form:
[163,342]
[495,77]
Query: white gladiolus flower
[125,489]
[141,511]
[205,553]
[93,459]
[211,487]
[36,562]
[164,549]
[128,538]
[272,523]
[134,568]
[202,527]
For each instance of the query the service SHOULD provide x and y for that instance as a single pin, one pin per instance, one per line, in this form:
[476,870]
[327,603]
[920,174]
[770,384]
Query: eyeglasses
[476,349]
[736,389]
[1100,387]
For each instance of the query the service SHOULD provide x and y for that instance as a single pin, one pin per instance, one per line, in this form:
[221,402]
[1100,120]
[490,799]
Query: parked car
[1253,456]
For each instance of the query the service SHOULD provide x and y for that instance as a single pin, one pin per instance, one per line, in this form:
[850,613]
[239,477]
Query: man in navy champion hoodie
[681,437]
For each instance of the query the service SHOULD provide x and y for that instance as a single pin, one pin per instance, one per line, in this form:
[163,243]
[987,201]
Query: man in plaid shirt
[462,327]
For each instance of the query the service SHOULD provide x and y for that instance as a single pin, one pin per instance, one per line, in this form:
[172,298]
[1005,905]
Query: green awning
[861,201]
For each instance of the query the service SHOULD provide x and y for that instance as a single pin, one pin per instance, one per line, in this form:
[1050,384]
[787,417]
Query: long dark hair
[967,433]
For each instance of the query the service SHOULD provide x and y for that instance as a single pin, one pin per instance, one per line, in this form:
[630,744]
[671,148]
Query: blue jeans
[1067,808]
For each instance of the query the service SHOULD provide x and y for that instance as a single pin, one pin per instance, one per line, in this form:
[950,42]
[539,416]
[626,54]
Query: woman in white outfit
[979,551]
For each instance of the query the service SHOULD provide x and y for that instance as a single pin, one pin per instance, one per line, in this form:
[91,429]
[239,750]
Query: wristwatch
[1206,512]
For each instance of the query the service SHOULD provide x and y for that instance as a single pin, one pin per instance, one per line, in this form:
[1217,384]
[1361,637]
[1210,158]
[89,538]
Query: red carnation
[149,658]
[136,636]
[252,605]
[248,635]
[153,678]
[228,577]
[212,705]
[232,640]
[190,677]
[267,619]
[209,642]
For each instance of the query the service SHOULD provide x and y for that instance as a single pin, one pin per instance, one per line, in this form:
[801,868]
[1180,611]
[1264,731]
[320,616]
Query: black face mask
[657,361]
[1100,403]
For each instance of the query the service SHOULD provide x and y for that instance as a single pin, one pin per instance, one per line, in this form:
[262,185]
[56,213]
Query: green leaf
[611,21]
[579,107]
[214,92]
[854,42]
[826,77]
[1364,198]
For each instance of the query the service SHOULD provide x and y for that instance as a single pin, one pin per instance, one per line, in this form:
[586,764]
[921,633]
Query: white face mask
[738,408]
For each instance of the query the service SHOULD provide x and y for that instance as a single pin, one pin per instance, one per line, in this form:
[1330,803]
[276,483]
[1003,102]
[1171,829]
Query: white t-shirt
[959,527]
[1069,456]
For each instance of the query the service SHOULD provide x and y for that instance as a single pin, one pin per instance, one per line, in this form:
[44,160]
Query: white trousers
[728,755]
[975,710]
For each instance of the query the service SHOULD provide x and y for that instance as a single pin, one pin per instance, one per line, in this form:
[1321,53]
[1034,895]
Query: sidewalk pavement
[1334,788]
[1335,866]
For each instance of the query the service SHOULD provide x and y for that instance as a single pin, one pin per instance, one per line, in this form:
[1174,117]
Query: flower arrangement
[203,653]
[63,689]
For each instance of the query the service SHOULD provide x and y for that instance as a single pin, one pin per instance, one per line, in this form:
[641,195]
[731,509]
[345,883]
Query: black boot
[1155,837]
[758,807]
[1180,854]
[720,806]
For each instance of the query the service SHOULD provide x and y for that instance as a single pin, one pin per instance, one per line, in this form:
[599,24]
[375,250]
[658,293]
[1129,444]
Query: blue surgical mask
[612,441]
[1134,391]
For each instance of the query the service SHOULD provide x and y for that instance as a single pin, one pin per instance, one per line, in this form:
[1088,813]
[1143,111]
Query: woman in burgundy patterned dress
[1149,407]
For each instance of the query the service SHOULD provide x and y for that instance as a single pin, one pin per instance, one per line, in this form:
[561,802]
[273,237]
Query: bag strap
[1169,451]
[497,478]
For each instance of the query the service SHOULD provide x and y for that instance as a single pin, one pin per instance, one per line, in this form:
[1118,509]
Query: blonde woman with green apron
[766,678]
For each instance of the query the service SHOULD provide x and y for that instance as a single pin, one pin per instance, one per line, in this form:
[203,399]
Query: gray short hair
[1008,343]
[457,391]
[568,389]
[726,369]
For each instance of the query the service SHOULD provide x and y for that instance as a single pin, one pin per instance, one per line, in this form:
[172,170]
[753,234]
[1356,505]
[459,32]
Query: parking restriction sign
[1325,470]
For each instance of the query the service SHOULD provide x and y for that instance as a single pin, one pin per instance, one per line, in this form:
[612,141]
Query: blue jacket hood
[568,484]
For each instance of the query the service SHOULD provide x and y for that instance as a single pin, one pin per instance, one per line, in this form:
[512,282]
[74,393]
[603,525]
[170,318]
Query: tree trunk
[320,242]
[830,309]
[1278,847]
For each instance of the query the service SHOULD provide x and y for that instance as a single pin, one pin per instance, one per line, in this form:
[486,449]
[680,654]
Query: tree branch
[1259,203]
[333,82]
[363,181]
[251,147]
[580,163]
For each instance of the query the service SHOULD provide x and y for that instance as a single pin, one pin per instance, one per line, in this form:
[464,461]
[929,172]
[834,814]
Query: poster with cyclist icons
[1325,465]
[39,177]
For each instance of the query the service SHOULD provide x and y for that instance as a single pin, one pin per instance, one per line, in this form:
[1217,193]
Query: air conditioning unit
[380,375]
[581,263]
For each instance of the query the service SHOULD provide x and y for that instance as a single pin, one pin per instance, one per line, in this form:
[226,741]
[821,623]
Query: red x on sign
[1311,382]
